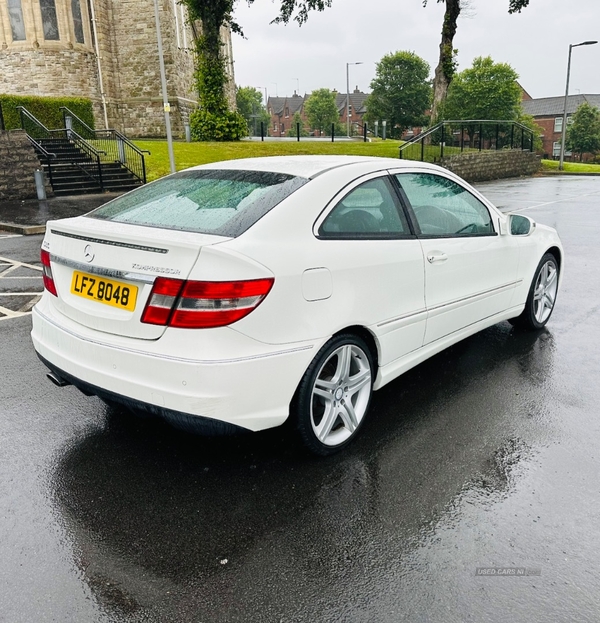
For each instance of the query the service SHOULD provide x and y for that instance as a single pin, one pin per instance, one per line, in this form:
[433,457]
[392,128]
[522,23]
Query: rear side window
[220,202]
[368,211]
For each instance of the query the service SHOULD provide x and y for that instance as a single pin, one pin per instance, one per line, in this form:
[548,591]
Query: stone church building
[104,50]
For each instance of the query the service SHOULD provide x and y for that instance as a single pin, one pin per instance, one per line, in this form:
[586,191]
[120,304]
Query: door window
[444,208]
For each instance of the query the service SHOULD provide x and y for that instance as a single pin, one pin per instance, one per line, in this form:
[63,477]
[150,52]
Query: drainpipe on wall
[97,46]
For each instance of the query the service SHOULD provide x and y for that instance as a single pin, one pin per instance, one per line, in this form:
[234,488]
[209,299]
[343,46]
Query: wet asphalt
[485,456]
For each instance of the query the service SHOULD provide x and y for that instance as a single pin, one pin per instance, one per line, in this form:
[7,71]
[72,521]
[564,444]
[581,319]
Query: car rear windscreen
[220,202]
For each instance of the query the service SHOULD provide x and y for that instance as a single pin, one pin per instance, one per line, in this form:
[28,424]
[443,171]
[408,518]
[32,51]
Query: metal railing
[113,146]
[43,154]
[36,129]
[449,138]
[2,124]
[88,159]
[93,172]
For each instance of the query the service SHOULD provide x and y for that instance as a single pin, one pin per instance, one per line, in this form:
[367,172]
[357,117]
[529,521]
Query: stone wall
[480,166]
[128,60]
[18,162]
[131,73]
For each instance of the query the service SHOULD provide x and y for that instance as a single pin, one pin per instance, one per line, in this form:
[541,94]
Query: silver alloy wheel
[544,293]
[340,395]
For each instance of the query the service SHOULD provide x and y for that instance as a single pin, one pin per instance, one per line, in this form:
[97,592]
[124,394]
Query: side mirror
[521,225]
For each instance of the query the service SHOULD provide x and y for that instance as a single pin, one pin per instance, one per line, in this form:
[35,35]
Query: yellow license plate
[107,291]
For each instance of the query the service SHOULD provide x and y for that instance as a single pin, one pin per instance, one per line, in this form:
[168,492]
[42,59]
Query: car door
[470,270]
[377,264]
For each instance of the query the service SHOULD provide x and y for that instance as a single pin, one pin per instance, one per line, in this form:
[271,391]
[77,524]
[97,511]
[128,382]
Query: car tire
[334,395]
[542,295]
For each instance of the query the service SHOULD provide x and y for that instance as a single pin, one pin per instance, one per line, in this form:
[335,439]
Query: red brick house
[282,110]
[548,113]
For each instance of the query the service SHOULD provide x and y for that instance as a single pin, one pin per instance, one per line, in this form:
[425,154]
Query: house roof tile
[554,106]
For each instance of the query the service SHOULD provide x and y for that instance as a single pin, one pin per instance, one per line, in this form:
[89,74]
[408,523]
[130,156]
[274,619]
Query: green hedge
[45,109]
[226,125]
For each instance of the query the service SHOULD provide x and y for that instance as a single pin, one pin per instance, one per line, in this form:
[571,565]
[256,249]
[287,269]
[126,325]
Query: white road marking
[33,297]
[16,263]
[549,203]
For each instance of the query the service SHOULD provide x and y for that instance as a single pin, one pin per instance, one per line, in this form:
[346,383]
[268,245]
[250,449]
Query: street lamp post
[265,88]
[163,82]
[348,96]
[564,121]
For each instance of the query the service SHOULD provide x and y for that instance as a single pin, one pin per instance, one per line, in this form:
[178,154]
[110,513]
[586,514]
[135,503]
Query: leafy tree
[298,11]
[211,75]
[401,92]
[446,67]
[250,105]
[293,131]
[213,120]
[487,90]
[321,110]
[214,14]
[583,135]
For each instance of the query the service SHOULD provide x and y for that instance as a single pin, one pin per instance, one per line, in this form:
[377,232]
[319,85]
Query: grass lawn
[191,154]
[571,167]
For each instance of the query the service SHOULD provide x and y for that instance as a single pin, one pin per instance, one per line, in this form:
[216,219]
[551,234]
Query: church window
[176,23]
[77,21]
[15,13]
[49,20]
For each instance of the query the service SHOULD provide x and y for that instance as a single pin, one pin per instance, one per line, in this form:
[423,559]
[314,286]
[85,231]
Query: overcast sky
[535,43]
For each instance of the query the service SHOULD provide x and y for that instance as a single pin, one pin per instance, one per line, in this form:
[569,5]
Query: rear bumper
[203,425]
[252,392]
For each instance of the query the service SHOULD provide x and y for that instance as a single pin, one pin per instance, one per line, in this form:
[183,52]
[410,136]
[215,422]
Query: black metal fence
[449,138]
[86,158]
[112,146]
[2,125]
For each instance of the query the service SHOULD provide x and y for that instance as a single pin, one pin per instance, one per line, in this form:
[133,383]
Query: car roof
[312,166]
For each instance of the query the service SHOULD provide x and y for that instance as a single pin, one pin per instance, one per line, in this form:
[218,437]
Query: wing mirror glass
[521,225]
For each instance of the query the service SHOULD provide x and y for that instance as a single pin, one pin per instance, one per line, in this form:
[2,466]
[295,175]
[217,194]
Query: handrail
[90,149]
[471,134]
[103,148]
[95,133]
[23,112]
[81,121]
[40,147]
[117,147]
[439,125]
[132,145]
[49,156]
[2,124]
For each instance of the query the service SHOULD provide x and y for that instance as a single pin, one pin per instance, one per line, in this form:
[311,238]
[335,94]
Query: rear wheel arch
[367,336]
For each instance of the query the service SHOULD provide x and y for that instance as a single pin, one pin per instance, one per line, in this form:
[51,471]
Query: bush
[45,109]
[223,126]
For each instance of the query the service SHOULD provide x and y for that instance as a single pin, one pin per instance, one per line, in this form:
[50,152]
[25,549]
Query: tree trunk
[444,72]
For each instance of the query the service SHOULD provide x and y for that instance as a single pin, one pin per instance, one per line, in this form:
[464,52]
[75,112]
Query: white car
[239,294]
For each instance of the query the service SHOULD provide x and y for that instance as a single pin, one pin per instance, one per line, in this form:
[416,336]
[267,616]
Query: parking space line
[24,310]
[549,203]
[31,297]
[9,314]
[16,263]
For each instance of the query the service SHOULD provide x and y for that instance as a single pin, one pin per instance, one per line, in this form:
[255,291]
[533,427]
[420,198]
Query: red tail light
[203,304]
[47,273]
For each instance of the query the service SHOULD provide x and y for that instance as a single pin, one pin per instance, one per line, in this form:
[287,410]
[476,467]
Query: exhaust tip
[57,380]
